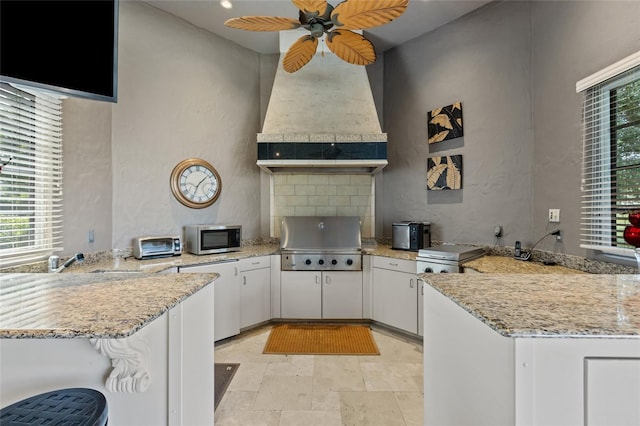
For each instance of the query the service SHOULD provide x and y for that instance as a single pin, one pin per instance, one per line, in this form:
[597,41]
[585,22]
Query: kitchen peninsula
[523,349]
[144,340]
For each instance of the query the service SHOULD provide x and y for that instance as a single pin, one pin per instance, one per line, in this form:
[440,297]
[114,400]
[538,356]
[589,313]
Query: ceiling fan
[320,18]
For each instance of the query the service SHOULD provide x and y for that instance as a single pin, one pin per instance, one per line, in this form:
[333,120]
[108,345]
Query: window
[611,155]
[31,179]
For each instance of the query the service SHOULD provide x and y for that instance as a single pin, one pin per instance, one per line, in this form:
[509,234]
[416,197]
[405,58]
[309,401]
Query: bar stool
[72,406]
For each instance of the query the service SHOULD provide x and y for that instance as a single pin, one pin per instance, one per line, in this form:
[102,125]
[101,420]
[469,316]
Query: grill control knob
[320,262]
[334,262]
[349,262]
[428,270]
[307,262]
[444,271]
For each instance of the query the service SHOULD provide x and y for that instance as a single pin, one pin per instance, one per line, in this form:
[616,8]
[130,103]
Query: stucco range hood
[321,119]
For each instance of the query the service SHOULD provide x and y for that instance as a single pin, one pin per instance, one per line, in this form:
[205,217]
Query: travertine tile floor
[322,390]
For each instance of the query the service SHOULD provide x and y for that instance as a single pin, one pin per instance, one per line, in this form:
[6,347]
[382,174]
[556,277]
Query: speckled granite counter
[106,262]
[386,251]
[542,305]
[70,305]
[509,265]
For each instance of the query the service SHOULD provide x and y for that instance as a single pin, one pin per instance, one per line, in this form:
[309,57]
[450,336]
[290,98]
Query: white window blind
[31,179]
[611,155]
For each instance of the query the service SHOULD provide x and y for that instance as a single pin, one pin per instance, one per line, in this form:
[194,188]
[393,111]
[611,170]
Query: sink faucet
[55,260]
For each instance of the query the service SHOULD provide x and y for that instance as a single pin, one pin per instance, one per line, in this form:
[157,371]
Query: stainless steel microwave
[210,239]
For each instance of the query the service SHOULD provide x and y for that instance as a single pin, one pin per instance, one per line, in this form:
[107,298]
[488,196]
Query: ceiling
[420,17]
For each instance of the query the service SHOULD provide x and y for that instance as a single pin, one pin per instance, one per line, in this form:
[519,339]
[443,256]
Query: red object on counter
[632,235]
[634,218]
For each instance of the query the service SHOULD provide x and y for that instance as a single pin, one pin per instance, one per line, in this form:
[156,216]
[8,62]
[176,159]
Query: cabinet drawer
[250,263]
[400,265]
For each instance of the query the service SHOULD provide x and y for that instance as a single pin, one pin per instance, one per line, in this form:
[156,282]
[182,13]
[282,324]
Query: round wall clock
[195,183]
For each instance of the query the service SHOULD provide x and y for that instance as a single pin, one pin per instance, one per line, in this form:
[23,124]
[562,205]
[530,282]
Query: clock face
[195,183]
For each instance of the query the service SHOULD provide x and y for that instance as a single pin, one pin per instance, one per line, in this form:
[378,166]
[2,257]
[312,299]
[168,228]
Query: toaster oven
[408,235]
[151,247]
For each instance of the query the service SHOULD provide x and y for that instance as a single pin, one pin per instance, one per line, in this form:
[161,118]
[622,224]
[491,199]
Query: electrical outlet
[91,236]
[554,215]
[497,231]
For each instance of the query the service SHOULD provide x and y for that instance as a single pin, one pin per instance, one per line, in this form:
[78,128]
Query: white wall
[186,93]
[182,93]
[514,66]
[571,40]
[483,61]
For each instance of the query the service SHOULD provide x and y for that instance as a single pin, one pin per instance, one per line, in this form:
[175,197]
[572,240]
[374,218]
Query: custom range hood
[321,119]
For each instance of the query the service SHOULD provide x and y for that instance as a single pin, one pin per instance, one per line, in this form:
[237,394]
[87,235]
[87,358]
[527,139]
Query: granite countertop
[543,305]
[509,265]
[385,250]
[107,305]
[131,264]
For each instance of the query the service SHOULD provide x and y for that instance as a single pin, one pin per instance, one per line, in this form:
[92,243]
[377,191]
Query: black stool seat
[73,406]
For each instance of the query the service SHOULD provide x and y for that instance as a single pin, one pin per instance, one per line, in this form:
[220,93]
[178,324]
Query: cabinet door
[420,307]
[342,294]
[301,294]
[612,391]
[255,297]
[226,297]
[395,299]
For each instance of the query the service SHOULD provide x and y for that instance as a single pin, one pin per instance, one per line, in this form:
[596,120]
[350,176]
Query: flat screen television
[68,47]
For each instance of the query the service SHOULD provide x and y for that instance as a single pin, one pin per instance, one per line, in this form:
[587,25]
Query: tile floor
[322,390]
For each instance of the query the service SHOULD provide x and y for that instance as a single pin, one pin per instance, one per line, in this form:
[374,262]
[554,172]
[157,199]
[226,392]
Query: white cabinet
[301,294]
[342,295]
[420,307]
[612,391]
[315,294]
[227,296]
[395,293]
[255,290]
[533,380]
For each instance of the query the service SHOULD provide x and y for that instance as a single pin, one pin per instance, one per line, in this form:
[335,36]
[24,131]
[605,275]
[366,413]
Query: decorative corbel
[130,361]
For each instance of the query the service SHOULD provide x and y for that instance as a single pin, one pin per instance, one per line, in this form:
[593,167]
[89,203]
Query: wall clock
[195,183]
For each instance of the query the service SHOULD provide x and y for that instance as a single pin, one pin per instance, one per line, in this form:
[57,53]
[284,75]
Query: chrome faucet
[55,260]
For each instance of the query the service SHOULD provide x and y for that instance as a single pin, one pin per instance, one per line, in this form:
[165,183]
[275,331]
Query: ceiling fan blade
[300,53]
[311,7]
[351,47]
[262,23]
[361,14]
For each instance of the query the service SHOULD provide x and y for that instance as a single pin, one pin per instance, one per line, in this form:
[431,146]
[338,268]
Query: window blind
[611,157]
[31,179]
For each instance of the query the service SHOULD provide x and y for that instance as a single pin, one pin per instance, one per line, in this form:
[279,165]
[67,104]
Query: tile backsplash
[323,195]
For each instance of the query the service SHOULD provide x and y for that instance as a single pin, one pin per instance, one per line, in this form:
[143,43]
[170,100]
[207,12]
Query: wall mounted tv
[69,47]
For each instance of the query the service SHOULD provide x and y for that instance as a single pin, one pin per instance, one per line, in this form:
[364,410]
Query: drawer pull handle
[393,264]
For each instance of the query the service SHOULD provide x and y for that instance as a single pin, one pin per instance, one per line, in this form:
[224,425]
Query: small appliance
[446,258]
[211,239]
[151,247]
[409,235]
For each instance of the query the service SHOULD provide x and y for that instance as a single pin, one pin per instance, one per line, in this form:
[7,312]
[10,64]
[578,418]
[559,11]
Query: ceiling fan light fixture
[319,17]
[226,4]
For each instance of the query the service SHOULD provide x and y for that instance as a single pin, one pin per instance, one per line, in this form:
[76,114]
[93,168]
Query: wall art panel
[444,172]
[445,123]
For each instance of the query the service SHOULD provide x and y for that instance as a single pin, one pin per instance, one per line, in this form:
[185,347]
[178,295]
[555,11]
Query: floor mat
[223,373]
[321,339]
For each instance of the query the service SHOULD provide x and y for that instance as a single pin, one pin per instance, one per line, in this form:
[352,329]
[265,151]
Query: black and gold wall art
[445,123]
[444,173]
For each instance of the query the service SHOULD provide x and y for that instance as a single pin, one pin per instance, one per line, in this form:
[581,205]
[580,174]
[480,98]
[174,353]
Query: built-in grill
[321,243]
[446,258]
